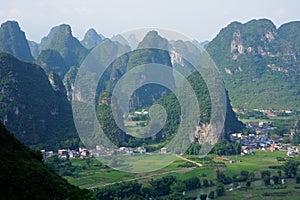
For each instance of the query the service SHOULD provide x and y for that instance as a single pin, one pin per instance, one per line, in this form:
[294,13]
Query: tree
[298,179]
[267,180]
[162,185]
[221,178]
[227,148]
[203,196]
[205,183]
[251,176]
[177,186]
[176,196]
[194,149]
[290,168]
[276,179]
[211,195]
[244,175]
[248,183]
[220,189]
[265,174]
[192,183]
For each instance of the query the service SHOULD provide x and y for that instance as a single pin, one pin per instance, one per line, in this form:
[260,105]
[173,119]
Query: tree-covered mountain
[51,61]
[25,176]
[150,94]
[149,51]
[59,50]
[68,46]
[13,41]
[33,106]
[259,63]
[147,94]
[91,39]
[172,106]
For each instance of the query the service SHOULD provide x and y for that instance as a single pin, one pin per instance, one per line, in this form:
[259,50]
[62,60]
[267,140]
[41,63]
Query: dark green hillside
[51,61]
[107,121]
[24,176]
[68,46]
[34,106]
[259,63]
[171,104]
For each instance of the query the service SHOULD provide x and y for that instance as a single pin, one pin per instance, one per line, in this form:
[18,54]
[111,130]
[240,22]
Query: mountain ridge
[259,65]
[13,41]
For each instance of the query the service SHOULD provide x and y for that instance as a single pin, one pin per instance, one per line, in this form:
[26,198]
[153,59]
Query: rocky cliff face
[13,41]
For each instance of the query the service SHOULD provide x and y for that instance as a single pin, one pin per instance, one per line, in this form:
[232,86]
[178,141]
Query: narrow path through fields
[188,160]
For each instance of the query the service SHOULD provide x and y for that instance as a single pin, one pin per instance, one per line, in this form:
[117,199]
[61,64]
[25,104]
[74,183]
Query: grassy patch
[261,160]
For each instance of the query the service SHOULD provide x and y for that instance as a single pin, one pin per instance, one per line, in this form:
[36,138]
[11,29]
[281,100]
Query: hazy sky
[198,19]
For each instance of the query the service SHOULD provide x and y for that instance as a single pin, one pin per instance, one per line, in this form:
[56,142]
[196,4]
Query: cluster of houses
[129,150]
[273,113]
[254,141]
[101,151]
[260,128]
[67,153]
[143,112]
[141,150]
[260,140]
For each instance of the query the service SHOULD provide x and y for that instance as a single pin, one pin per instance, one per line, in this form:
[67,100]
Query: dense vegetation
[24,176]
[258,63]
[168,186]
[68,46]
[150,94]
[227,148]
[51,61]
[37,112]
[171,104]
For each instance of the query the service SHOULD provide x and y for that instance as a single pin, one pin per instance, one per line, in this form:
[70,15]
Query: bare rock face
[236,47]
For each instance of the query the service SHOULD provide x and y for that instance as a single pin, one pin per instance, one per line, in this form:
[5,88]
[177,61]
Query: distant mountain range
[259,64]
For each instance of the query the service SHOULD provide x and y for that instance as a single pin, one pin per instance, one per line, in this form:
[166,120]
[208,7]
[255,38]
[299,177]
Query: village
[260,139]
[257,139]
[99,151]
